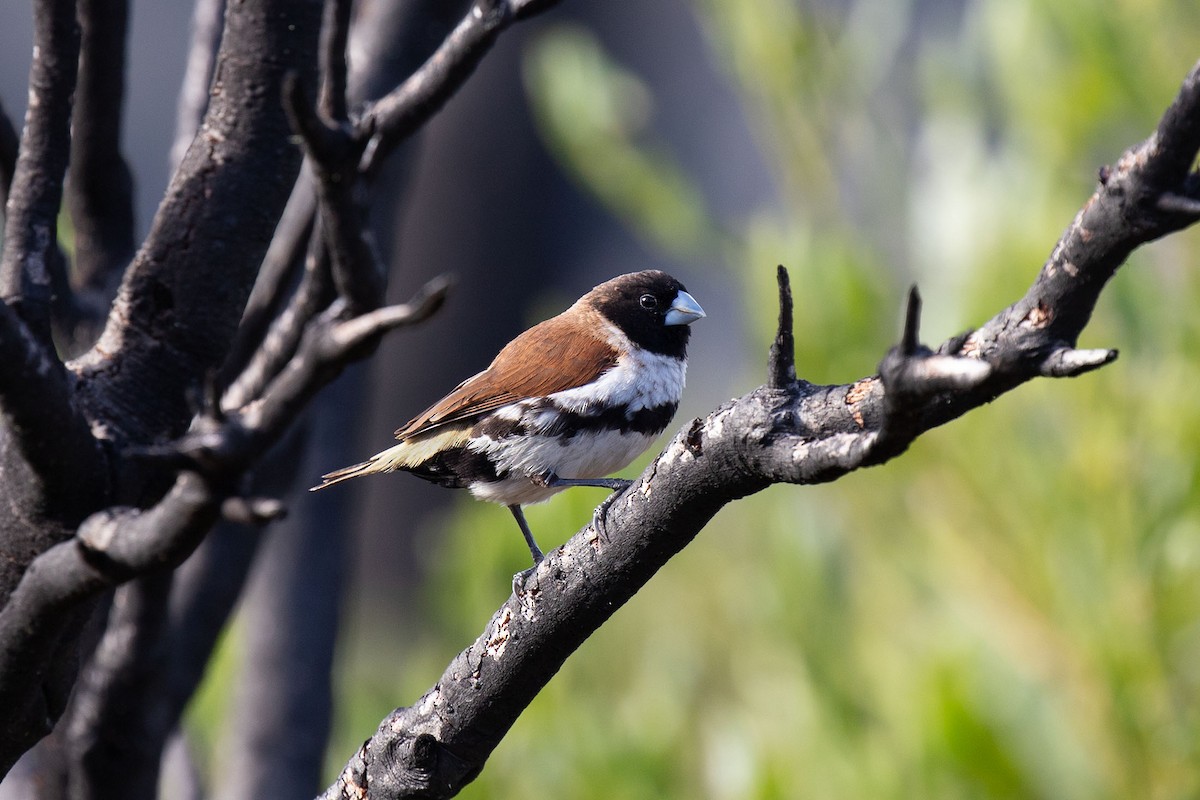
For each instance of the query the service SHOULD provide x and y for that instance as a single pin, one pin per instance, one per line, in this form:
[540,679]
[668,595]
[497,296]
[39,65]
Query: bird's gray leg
[534,551]
[518,580]
[616,484]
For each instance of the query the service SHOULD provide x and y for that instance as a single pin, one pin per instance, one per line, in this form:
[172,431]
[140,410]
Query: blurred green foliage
[1012,608]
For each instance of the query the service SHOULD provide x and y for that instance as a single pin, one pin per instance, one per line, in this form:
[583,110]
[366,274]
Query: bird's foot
[520,580]
[600,517]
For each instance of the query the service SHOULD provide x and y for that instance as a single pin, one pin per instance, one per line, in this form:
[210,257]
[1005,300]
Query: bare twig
[334,150]
[402,111]
[226,447]
[279,345]
[281,268]
[327,347]
[782,358]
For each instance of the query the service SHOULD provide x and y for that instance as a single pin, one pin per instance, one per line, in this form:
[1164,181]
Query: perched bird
[567,402]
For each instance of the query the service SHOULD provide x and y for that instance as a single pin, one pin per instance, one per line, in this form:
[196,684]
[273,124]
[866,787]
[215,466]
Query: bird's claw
[520,579]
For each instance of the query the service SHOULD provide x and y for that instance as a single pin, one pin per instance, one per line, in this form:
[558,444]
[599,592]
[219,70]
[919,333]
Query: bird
[566,403]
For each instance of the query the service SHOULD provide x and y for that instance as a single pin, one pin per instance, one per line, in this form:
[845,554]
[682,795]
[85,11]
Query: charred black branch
[334,150]
[202,57]
[188,284]
[100,190]
[224,448]
[119,544]
[110,548]
[284,264]
[49,432]
[31,229]
[401,112]
[174,315]
[335,31]
[786,431]
[8,153]
[314,294]
[781,361]
[328,346]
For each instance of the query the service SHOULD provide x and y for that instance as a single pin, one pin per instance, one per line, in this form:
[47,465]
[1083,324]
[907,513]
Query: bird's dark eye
[648,301]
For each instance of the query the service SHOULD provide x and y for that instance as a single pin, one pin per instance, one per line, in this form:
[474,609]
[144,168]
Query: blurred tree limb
[85,443]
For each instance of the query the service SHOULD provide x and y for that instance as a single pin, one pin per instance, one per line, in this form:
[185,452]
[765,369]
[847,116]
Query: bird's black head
[651,308]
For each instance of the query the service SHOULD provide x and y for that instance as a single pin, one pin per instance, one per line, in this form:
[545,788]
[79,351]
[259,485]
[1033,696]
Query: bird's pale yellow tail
[346,473]
[406,455]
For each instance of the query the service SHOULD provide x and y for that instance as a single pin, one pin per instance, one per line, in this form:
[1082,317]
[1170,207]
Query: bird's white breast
[639,381]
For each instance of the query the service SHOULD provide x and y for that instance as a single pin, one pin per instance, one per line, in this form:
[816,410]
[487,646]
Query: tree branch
[334,149]
[183,295]
[31,230]
[100,190]
[175,317]
[786,431]
[51,435]
[277,348]
[159,335]
[335,32]
[193,93]
[397,115]
[327,347]
[105,727]
[9,144]
[284,264]
[117,545]
[54,468]
[110,548]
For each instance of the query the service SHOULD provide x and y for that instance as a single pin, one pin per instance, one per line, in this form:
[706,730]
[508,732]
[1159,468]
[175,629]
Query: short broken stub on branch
[831,430]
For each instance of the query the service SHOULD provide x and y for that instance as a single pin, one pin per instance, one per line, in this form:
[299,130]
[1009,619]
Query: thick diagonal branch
[787,431]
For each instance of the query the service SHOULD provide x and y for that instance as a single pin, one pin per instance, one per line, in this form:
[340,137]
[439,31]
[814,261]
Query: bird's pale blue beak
[684,310]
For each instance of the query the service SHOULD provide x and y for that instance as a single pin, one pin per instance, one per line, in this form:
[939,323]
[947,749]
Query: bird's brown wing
[559,354]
